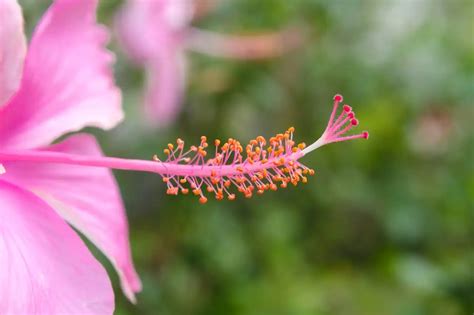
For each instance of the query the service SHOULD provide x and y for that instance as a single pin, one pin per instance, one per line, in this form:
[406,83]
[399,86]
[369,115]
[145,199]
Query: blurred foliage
[386,227]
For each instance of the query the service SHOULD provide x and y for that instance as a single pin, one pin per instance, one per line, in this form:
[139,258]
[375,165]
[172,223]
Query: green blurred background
[386,226]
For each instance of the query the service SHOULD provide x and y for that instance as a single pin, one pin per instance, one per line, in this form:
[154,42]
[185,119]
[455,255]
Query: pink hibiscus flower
[61,84]
[156,34]
[65,85]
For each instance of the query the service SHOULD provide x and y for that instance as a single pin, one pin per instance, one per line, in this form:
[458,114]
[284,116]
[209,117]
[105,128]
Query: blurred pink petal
[67,83]
[146,27]
[45,266]
[165,88]
[151,33]
[156,34]
[88,199]
[244,47]
[12,48]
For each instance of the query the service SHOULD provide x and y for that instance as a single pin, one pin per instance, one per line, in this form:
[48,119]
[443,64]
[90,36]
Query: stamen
[261,170]
[267,165]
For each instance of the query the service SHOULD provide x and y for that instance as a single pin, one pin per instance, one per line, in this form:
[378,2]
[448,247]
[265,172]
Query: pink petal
[12,48]
[147,27]
[133,31]
[152,33]
[165,88]
[45,266]
[88,198]
[67,82]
